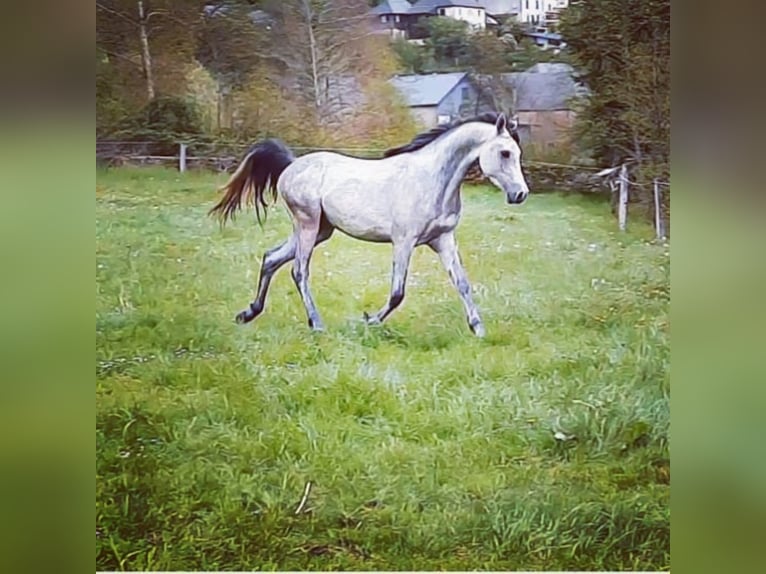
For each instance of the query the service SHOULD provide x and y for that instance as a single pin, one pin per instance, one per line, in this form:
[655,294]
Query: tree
[413,59]
[448,40]
[150,40]
[623,48]
[490,57]
[232,42]
[307,70]
[320,46]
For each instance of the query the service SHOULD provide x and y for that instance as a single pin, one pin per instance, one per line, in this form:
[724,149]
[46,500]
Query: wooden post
[623,205]
[657,214]
[182,158]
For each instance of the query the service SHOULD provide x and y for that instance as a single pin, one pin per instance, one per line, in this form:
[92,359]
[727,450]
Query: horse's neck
[454,153]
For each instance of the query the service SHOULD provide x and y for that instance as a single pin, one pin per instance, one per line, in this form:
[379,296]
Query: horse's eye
[505,153]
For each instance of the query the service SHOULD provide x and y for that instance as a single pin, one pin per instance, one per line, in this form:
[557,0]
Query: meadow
[542,446]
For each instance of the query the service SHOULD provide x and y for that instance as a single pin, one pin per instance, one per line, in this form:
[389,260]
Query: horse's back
[328,171]
[356,195]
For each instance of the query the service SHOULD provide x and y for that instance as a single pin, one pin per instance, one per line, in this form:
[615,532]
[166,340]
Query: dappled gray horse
[410,197]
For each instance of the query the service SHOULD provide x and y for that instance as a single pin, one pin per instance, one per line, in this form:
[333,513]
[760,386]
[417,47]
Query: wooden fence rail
[225,157]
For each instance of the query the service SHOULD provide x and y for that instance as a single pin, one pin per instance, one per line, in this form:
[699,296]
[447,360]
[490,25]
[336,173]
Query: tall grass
[543,446]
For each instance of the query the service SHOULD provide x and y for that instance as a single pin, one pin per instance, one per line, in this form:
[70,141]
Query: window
[537,4]
[397,18]
[384,18]
[441,12]
[527,3]
[466,93]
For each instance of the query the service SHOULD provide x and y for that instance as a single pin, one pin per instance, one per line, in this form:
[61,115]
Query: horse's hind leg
[273,260]
[308,228]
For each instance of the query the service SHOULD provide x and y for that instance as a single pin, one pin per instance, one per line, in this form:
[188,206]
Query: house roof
[544,35]
[391,7]
[544,90]
[256,16]
[430,6]
[426,89]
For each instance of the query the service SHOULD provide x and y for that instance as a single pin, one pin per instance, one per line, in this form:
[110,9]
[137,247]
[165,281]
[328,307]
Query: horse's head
[500,161]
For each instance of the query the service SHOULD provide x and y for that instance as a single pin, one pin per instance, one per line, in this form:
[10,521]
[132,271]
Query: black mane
[425,138]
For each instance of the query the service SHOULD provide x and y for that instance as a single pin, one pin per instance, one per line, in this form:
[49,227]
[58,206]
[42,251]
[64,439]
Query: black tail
[259,170]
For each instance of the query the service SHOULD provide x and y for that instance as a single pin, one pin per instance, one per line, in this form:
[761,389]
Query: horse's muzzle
[517,197]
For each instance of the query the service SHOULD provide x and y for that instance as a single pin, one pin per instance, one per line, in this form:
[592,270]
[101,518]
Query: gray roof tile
[426,89]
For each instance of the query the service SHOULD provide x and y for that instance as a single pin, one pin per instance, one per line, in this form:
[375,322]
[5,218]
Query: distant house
[469,11]
[553,10]
[393,17]
[436,99]
[257,17]
[546,40]
[545,95]
[532,11]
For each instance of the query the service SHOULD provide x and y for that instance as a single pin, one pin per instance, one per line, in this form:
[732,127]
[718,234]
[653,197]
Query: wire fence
[224,157]
[185,155]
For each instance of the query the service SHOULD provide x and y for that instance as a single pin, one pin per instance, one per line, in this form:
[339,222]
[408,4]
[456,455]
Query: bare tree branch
[119,14]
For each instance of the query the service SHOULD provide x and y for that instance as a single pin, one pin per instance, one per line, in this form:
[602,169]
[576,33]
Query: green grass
[426,447]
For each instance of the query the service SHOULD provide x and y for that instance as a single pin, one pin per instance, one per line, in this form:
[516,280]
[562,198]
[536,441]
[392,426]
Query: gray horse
[410,197]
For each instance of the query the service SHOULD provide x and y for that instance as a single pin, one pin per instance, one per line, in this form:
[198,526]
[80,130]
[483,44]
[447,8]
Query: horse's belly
[368,221]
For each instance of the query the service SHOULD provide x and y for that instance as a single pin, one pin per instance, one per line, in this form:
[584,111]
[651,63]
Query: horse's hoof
[371,319]
[244,317]
[316,325]
[478,329]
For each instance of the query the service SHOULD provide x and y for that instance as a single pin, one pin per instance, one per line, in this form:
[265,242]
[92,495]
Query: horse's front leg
[402,255]
[446,246]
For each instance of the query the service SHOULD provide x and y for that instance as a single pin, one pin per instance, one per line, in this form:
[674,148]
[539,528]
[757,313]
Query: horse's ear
[500,123]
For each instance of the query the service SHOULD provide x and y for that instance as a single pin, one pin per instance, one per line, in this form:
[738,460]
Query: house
[553,10]
[470,11]
[436,99]
[531,12]
[259,18]
[546,40]
[545,97]
[393,17]
[538,12]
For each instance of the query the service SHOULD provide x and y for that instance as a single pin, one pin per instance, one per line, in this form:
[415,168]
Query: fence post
[623,205]
[657,214]
[182,158]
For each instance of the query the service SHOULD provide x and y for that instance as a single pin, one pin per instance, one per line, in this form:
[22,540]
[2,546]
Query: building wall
[533,11]
[426,116]
[547,128]
[476,17]
[455,102]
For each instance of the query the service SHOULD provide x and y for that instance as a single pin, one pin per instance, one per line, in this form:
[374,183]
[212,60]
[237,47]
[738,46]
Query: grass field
[426,448]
